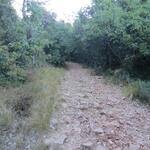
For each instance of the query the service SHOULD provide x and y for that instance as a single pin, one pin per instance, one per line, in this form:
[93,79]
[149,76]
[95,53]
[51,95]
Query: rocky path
[93,115]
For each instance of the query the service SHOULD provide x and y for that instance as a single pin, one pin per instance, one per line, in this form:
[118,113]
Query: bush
[56,59]
[121,76]
[9,71]
[139,89]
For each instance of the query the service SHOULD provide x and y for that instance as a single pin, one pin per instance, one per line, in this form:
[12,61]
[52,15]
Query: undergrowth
[135,88]
[33,101]
[139,89]
[44,93]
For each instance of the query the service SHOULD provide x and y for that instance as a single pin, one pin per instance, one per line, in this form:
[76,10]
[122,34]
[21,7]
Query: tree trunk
[24,9]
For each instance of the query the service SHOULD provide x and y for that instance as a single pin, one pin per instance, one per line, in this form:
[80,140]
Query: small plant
[22,106]
[118,76]
[41,146]
[19,143]
[139,89]
[6,117]
[121,75]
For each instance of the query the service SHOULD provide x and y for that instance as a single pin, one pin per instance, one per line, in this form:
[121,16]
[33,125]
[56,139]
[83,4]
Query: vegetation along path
[93,115]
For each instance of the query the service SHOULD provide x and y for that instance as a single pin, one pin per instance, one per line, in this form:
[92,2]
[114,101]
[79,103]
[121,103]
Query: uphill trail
[93,115]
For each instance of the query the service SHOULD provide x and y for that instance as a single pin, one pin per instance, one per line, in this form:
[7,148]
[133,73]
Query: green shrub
[121,76]
[9,71]
[139,89]
[56,59]
[118,76]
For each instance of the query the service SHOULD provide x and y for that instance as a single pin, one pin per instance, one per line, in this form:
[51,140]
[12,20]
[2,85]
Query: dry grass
[33,101]
[6,115]
[44,93]
[40,146]
[139,89]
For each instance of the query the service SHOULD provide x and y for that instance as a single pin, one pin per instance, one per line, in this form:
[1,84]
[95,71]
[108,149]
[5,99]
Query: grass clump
[44,93]
[136,89]
[139,89]
[33,101]
[41,146]
[118,76]
[6,117]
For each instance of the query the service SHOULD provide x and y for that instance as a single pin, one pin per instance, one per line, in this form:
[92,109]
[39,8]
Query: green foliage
[56,59]
[139,89]
[110,36]
[114,34]
[113,37]
[9,71]
[30,42]
[30,104]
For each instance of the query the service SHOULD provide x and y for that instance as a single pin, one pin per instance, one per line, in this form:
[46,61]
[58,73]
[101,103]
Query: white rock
[100,147]
[133,147]
[54,124]
[98,130]
[123,98]
[115,123]
[60,140]
[87,146]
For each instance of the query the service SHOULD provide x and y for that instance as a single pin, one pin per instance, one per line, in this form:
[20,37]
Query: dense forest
[111,37]
[35,39]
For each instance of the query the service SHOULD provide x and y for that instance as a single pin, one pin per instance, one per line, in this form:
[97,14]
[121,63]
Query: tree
[114,34]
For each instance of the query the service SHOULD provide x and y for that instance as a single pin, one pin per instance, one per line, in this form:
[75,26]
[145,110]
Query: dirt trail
[93,115]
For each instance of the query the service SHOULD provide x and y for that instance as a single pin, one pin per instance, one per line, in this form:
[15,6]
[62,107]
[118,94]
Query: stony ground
[93,115]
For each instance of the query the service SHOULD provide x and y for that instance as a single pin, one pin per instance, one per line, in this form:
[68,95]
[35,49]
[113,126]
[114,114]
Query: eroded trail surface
[93,115]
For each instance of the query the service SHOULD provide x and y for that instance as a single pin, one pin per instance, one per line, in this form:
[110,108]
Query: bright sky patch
[65,9]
